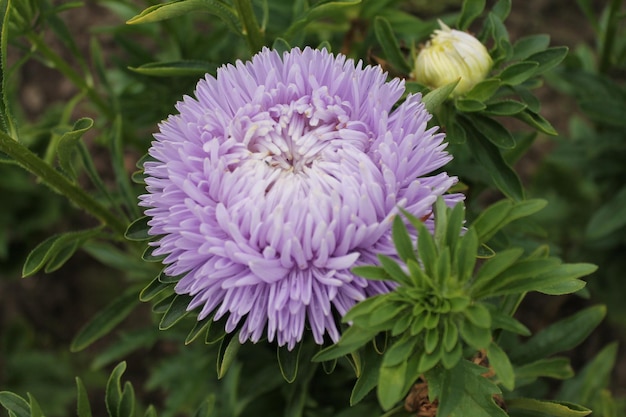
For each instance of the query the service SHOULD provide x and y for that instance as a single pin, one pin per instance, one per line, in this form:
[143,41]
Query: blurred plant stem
[55,180]
[251,29]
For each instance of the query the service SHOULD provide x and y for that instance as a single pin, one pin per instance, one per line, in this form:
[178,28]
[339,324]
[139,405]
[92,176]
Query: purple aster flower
[281,175]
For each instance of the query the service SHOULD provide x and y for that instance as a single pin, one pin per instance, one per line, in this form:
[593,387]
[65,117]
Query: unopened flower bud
[449,55]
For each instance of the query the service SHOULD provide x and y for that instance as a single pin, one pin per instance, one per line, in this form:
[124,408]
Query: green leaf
[176,311]
[610,217]
[113,395]
[477,337]
[227,353]
[452,389]
[592,379]
[484,90]
[505,108]
[371,272]
[434,98]
[489,156]
[126,344]
[468,105]
[177,8]
[53,252]
[535,120]
[479,315]
[394,270]
[350,341]
[364,308]
[288,361]
[319,11]
[14,404]
[400,350]
[508,323]
[182,68]
[201,326]
[370,373]
[402,240]
[153,289]
[35,408]
[548,58]
[501,365]
[126,407]
[138,230]
[389,43]
[105,320]
[518,73]
[556,367]
[529,45]
[494,131]
[470,11]
[149,257]
[281,46]
[68,142]
[560,336]
[83,409]
[502,9]
[391,383]
[551,408]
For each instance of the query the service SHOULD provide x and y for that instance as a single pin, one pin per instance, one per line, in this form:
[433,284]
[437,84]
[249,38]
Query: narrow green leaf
[126,407]
[551,408]
[610,217]
[68,142]
[606,110]
[489,156]
[501,365]
[182,68]
[83,408]
[548,58]
[470,11]
[518,73]
[138,230]
[368,379]
[394,270]
[319,11]
[479,315]
[177,8]
[201,326]
[434,98]
[391,382]
[529,45]
[176,311]
[477,337]
[207,407]
[490,219]
[494,131]
[215,332]
[468,105]
[281,46]
[452,389]
[400,350]
[508,323]
[364,308]
[402,240]
[502,9]
[592,379]
[371,272]
[389,43]
[556,367]
[427,250]
[227,354]
[56,249]
[466,255]
[149,257]
[153,289]
[35,408]
[9,124]
[105,320]
[14,404]
[535,120]
[113,394]
[484,90]
[560,336]
[505,108]
[288,362]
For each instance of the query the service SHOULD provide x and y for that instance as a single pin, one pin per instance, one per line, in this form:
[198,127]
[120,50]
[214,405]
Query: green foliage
[451,322]
[443,307]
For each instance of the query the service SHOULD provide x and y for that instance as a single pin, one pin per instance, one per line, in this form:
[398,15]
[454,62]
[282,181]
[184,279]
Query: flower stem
[251,29]
[55,180]
[76,78]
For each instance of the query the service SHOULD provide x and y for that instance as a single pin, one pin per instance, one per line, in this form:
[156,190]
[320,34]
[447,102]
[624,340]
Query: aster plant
[310,220]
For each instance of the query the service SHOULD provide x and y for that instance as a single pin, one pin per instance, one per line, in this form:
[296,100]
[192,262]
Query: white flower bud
[449,55]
